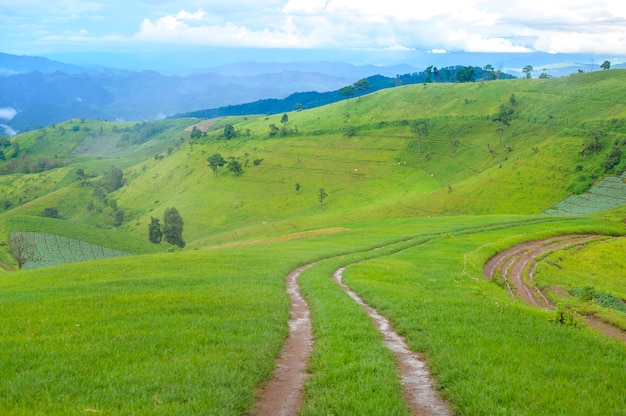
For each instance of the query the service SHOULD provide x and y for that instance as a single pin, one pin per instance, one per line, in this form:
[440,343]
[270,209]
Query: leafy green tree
[284,119]
[298,187]
[504,118]
[612,159]
[605,65]
[196,133]
[488,72]
[595,134]
[527,70]
[420,128]
[173,227]
[429,71]
[361,85]
[465,74]
[274,130]
[118,218]
[215,162]
[235,167]
[50,212]
[544,75]
[229,131]
[321,195]
[113,180]
[154,231]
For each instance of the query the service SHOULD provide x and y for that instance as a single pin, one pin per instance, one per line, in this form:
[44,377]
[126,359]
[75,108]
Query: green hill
[438,176]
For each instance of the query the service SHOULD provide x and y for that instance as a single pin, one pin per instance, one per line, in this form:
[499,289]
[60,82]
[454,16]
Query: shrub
[50,212]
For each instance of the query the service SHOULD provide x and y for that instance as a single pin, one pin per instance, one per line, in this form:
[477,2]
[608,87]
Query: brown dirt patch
[517,264]
[204,125]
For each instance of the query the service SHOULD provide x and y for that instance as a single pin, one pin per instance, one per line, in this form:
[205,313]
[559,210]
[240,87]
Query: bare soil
[282,395]
[517,264]
[204,125]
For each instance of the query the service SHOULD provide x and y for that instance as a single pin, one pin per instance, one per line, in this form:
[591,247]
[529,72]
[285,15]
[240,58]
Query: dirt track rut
[513,266]
[282,395]
[419,389]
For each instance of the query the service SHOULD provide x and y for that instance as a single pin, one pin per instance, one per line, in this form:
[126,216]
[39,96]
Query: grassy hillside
[412,216]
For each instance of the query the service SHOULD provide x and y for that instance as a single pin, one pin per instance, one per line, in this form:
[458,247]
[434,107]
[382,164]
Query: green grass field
[197,330]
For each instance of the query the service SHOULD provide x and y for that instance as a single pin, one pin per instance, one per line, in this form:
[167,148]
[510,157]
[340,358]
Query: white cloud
[398,48]
[7,113]
[304,6]
[583,26]
[8,131]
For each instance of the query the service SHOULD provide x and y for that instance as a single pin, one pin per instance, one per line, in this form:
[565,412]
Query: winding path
[282,395]
[519,262]
[419,389]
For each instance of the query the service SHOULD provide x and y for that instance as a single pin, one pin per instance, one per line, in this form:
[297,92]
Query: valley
[408,191]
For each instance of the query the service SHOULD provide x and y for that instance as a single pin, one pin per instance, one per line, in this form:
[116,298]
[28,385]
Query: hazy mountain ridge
[38,92]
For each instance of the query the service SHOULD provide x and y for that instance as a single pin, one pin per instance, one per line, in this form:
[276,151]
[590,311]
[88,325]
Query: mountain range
[37,92]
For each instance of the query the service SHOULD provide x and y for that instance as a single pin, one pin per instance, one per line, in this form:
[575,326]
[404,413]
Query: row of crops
[40,250]
[607,194]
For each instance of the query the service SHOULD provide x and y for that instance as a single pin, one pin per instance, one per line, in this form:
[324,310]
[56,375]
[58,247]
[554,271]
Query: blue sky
[347,28]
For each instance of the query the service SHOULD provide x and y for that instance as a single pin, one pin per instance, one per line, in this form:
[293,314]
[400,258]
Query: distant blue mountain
[13,64]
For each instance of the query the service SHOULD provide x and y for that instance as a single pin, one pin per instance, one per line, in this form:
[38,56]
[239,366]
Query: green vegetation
[590,279]
[609,193]
[425,188]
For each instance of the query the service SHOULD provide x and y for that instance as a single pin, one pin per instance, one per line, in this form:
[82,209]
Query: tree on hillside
[595,134]
[229,131]
[274,130]
[196,133]
[347,91]
[215,162]
[527,70]
[488,72]
[235,167]
[50,212]
[612,159]
[361,85]
[173,227]
[321,195]
[154,231]
[113,180]
[420,128]
[504,118]
[605,65]
[429,71]
[21,248]
[465,74]
[284,119]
